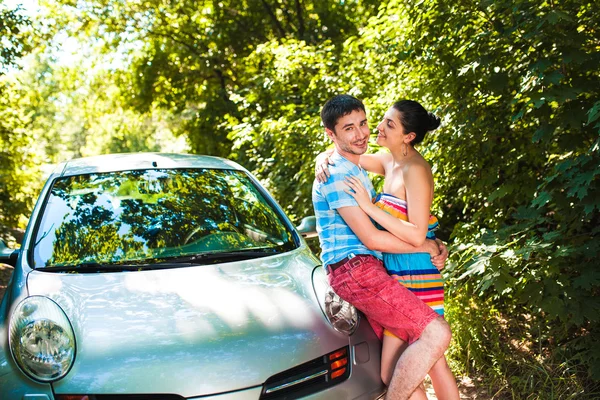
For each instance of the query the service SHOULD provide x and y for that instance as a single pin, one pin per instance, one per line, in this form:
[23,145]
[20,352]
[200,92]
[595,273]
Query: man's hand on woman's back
[322,163]
[440,259]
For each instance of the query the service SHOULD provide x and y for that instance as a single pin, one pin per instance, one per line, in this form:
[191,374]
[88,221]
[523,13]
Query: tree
[517,162]
[15,165]
[13,35]
[187,57]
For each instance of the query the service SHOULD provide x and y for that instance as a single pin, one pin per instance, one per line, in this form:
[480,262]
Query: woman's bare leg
[419,394]
[391,350]
[443,381]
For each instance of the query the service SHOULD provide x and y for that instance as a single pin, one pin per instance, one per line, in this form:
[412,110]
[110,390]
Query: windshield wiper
[160,263]
[92,267]
[217,257]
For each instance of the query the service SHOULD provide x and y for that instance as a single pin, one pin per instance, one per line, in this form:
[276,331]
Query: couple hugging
[401,296]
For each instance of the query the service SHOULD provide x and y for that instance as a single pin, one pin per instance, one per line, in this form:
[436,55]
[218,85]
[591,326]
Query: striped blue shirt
[336,238]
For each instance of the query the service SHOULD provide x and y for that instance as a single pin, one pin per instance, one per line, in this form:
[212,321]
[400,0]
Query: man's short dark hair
[337,107]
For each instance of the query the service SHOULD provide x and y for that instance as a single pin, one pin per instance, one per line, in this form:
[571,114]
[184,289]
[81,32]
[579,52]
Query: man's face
[351,133]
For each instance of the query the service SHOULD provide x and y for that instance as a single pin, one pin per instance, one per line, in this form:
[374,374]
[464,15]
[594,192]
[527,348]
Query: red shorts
[365,283]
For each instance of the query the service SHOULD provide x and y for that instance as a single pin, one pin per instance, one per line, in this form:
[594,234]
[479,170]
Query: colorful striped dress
[413,270]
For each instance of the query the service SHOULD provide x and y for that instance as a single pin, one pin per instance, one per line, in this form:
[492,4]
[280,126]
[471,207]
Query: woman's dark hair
[414,118]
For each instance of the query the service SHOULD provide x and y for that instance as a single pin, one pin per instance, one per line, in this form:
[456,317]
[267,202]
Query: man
[351,247]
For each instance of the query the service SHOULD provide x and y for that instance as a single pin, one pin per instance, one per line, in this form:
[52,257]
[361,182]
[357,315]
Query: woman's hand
[360,194]
[322,163]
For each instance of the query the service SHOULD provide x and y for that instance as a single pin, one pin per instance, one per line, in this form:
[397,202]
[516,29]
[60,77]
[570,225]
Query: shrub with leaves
[518,161]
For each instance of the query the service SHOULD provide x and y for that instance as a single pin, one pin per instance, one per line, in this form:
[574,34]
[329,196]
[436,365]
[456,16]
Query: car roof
[137,161]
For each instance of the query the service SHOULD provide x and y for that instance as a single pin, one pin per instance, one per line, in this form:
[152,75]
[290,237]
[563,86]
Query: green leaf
[541,65]
[556,16]
[500,192]
[518,115]
[587,280]
[552,236]
[563,93]
[542,198]
[593,113]
[543,133]
[527,213]
[554,307]
[554,77]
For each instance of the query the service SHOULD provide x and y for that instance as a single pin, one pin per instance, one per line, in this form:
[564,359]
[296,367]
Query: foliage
[18,161]
[516,160]
[13,37]
[502,356]
[51,113]
[221,70]
[188,56]
[280,104]
[516,163]
[19,158]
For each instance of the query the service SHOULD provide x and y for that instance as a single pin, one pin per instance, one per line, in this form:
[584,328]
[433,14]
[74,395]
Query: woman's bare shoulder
[418,168]
[417,162]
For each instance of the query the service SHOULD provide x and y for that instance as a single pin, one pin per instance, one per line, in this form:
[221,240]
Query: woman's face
[391,132]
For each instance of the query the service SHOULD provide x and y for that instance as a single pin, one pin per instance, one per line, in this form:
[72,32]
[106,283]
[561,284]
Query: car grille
[310,377]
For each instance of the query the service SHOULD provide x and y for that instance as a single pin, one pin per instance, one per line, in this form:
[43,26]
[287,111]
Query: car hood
[192,330]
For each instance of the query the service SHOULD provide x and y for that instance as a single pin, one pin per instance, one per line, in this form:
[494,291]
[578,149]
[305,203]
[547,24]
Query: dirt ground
[466,386]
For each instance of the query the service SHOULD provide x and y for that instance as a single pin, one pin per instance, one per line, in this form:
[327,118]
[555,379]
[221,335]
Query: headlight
[341,314]
[41,339]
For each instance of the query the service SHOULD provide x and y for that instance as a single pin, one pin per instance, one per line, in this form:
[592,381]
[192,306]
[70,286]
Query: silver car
[170,276]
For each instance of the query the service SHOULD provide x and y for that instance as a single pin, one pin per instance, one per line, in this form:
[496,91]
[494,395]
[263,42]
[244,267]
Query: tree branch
[190,47]
[288,18]
[274,19]
[259,35]
[300,19]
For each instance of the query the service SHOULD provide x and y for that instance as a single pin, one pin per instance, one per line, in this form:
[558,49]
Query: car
[154,276]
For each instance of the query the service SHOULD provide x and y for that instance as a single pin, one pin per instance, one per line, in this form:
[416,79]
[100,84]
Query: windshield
[149,216]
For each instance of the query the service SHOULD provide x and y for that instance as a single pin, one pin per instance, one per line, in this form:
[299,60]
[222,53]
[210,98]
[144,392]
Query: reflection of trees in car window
[138,215]
[260,220]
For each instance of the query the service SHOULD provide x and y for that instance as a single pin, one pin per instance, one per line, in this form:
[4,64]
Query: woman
[403,210]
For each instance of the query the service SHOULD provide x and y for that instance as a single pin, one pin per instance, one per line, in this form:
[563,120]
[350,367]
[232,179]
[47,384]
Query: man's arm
[374,162]
[371,162]
[379,240]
